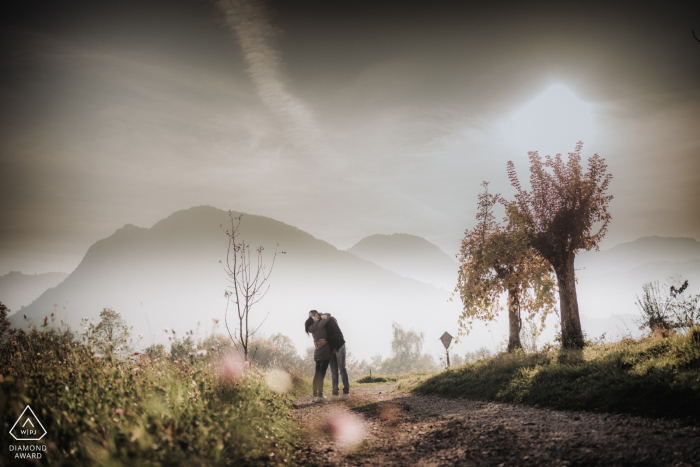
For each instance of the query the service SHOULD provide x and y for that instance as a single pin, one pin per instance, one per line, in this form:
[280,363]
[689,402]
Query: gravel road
[404,429]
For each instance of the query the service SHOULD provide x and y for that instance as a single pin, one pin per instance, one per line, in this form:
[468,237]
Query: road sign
[446,339]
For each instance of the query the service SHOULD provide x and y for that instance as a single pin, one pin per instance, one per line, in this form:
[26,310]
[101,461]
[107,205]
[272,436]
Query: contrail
[248,20]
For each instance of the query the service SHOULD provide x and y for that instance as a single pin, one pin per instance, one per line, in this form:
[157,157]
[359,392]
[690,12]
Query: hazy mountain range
[170,276]
[18,290]
[410,256]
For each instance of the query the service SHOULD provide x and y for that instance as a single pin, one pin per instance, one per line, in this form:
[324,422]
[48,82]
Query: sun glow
[550,123]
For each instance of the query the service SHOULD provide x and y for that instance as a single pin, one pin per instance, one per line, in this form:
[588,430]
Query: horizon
[4,272]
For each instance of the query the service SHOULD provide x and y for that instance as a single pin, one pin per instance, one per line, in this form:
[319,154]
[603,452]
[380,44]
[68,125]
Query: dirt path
[403,429]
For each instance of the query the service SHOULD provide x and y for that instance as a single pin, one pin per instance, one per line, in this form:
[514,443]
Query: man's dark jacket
[334,334]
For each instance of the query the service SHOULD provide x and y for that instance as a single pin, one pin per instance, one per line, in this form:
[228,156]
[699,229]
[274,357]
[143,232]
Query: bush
[139,410]
[666,311]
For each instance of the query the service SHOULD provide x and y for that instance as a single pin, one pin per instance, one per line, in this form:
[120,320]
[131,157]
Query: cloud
[249,22]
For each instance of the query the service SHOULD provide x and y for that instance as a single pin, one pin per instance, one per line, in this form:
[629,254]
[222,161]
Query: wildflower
[170,338]
[346,428]
[201,352]
[86,329]
[25,316]
[97,356]
[119,411]
[140,336]
[232,367]
[46,319]
[165,329]
[173,331]
[136,353]
[92,323]
[136,369]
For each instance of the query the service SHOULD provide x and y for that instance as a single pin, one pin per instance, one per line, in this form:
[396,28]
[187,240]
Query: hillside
[409,256]
[18,290]
[610,280]
[170,276]
[630,255]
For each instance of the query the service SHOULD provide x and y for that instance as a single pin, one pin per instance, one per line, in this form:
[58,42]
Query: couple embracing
[329,350]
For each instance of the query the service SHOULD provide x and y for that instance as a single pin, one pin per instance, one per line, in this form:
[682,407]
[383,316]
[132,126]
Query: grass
[652,376]
[141,411]
[381,380]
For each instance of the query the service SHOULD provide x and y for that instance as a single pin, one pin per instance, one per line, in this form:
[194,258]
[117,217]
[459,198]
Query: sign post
[446,340]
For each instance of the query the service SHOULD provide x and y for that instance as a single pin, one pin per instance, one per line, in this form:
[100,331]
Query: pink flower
[347,429]
[46,318]
[97,356]
[25,316]
[201,352]
[119,412]
[140,336]
[232,367]
[165,329]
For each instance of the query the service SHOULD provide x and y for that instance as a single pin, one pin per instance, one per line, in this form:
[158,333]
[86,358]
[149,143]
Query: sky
[344,118]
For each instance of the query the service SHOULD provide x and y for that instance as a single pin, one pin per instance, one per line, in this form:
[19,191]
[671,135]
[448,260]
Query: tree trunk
[513,321]
[571,335]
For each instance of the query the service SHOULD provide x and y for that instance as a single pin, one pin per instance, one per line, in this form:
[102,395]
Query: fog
[342,119]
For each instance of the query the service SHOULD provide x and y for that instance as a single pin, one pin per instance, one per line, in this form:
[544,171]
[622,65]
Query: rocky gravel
[404,429]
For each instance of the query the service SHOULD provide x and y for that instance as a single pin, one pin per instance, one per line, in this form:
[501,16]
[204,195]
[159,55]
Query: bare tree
[249,283]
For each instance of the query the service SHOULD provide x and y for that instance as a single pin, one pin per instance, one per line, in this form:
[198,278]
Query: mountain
[409,256]
[18,290]
[170,276]
[609,281]
[645,250]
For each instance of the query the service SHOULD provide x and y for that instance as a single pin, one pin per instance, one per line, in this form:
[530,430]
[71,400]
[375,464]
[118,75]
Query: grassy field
[653,376]
[140,411]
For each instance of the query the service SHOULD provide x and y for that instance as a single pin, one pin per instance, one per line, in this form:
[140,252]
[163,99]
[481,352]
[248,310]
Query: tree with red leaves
[496,260]
[558,216]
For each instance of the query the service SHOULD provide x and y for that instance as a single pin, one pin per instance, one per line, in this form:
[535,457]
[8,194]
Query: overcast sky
[343,118]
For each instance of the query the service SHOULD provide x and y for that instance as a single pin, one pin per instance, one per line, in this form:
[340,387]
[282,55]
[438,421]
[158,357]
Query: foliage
[667,311]
[182,348]
[248,283]
[155,351]
[652,376]
[558,217]
[406,355]
[478,354]
[497,259]
[6,331]
[139,411]
[112,333]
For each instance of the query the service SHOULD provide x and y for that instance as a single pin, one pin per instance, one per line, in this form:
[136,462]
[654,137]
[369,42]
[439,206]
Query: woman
[316,325]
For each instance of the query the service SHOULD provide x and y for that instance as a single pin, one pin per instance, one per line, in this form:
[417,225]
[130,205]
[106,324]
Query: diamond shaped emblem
[28,427]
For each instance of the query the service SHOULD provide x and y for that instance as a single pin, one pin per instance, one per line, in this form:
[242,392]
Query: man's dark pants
[338,366]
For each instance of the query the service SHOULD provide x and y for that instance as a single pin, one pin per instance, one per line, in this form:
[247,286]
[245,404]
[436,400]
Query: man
[337,343]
